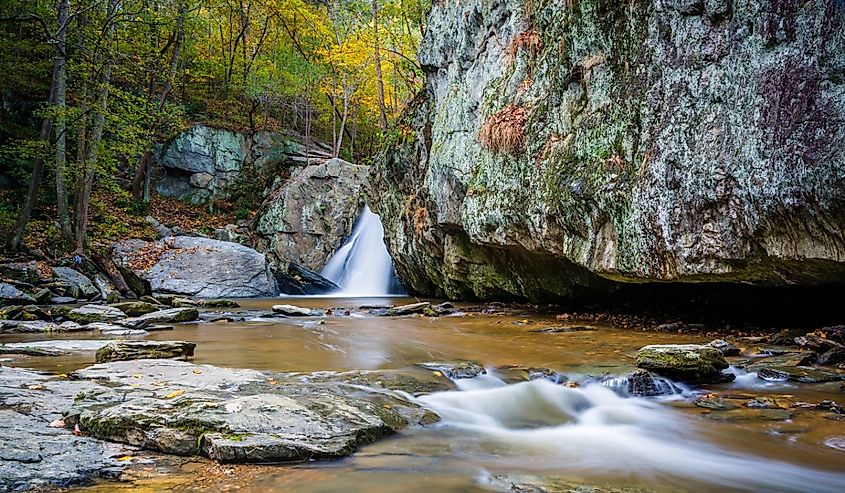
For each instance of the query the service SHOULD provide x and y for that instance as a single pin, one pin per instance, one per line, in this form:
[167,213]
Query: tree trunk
[141,180]
[37,171]
[379,78]
[99,120]
[61,106]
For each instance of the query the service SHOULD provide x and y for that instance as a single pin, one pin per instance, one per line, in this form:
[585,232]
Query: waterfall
[362,266]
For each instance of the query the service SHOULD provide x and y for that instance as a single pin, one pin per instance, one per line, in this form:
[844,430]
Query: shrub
[504,131]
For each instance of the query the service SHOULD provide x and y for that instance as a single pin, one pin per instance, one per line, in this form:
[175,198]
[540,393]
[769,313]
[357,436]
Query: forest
[89,87]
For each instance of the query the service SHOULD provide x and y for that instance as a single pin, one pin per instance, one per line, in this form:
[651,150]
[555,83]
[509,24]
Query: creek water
[493,433]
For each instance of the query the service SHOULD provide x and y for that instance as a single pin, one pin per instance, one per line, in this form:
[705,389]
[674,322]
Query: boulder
[724,347]
[688,362]
[95,313]
[298,280]
[80,285]
[170,315]
[201,267]
[130,350]
[219,304]
[11,295]
[296,311]
[306,219]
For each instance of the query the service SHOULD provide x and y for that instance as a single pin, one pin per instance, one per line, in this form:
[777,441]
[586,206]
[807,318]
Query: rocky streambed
[473,396]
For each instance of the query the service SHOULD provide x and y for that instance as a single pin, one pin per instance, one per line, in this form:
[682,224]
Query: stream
[495,435]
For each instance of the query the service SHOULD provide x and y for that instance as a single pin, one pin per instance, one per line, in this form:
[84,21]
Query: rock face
[307,218]
[560,149]
[201,163]
[197,267]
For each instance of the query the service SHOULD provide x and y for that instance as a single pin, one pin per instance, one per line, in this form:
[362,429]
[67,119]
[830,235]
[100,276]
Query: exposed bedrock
[566,148]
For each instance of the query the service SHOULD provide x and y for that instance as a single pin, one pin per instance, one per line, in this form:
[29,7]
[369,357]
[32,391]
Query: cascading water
[542,426]
[362,266]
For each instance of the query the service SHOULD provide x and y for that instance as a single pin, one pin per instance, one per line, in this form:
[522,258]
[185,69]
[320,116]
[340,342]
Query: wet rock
[178,302]
[39,326]
[832,356]
[201,267]
[81,285]
[131,350]
[690,362]
[298,280]
[736,415]
[13,296]
[219,304]
[170,315]
[136,308]
[455,369]
[34,455]
[797,358]
[230,415]
[415,382]
[786,337]
[56,347]
[409,309]
[564,329]
[95,313]
[803,374]
[714,402]
[296,311]
[642,383]
[724,347]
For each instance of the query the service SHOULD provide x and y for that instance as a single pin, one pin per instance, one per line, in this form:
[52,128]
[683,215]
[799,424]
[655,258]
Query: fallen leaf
[437,373]
[137,375]
[124,458]
[196,371]
[76,431]
[36,386]
[175,393]
[57,424]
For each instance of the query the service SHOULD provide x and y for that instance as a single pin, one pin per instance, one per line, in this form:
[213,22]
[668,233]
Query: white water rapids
[362,266]
[592,428]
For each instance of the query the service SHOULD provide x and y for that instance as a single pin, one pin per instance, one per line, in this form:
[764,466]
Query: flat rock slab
[39,326]
[170,315]
[691,362]
[95,313]
[56,347]
[131,350]
[34,455]
[234,415]
[296,311]
[78,281]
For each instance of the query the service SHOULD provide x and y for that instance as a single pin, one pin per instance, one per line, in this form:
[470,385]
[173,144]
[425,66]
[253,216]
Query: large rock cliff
[565,147]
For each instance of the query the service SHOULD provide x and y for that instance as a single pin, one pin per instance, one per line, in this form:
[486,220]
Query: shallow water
[587,435]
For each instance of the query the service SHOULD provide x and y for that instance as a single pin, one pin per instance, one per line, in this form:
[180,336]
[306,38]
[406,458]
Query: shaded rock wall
[662,140]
